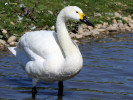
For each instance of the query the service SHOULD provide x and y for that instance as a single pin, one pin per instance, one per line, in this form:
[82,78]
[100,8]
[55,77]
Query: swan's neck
[63,36]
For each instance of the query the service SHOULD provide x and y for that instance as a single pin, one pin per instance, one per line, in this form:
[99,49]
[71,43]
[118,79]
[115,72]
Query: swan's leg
[60,89]
[34,82]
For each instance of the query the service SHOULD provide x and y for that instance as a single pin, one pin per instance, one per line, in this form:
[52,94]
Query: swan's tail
[13,50]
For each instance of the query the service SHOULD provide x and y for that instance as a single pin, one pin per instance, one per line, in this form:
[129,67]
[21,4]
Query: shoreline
[125,25]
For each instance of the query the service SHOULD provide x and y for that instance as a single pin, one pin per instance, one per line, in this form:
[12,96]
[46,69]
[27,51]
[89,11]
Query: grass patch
[42,13]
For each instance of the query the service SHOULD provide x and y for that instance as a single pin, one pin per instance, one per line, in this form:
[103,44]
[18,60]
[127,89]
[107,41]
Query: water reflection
[107,74]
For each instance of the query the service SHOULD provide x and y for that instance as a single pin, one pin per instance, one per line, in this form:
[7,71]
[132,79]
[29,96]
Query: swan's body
[51,56]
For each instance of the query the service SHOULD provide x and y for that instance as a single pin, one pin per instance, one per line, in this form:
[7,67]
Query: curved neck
[63,35]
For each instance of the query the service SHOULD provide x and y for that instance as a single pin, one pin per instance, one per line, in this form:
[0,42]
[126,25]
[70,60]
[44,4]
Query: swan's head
[75,13]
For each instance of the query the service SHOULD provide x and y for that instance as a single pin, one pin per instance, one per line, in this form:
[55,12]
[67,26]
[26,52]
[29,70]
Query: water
[107,74]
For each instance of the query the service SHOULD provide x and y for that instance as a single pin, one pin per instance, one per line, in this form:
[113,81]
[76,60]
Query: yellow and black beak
[84,19]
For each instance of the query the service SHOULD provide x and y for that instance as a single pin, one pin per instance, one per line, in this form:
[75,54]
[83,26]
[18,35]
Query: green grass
[38,12]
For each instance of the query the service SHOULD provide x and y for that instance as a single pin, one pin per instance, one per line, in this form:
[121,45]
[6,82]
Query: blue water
[107,74]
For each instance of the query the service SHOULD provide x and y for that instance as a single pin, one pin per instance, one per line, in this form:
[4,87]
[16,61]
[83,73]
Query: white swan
[51,56]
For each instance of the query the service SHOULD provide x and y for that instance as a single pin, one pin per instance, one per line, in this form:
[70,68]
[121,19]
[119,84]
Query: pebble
[13,43]
[78,36]
[117,14]
[112,28]
[86,33]
[94,32]
[53,27]
[2,42]
[4,31]
[114,21]
[50,12]
[80,30]
[11,39]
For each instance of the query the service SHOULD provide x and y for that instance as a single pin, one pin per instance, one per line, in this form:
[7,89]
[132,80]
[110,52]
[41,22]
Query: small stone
[11,39]
[84,26]
[127,28]
[94,32]
[131,25]
[120,25]
[53,27]
[2,42]
[115,25]
[13,43]
[80,30]
[72,35]
[112,28]
[77,36]
[117,14]
[98,25]
[12,23]
[102,30]
[114,21]
[4,31]
[86,33]
[97,14]
[33,28]
[90,27]
[76,41]
[50,12]
[125,18]
[105,24]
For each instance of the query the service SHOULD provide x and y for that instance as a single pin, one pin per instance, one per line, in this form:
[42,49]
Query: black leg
[34,91]
[60,89]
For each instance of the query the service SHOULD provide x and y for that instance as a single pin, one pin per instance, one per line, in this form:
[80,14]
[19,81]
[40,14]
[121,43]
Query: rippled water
[107,74]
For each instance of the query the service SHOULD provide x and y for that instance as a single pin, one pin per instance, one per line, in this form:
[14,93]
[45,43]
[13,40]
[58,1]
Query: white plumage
[50,56]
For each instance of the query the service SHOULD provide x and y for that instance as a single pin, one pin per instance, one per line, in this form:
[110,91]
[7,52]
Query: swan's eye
[76,11]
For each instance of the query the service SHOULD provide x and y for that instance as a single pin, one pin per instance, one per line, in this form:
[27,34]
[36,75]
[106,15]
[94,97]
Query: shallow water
[107,74]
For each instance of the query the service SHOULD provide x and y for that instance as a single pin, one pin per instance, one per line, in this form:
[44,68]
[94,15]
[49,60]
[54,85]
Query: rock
[115,25]
[120,25]
[126,18]
[72,35]
[33,28]
[84,26]
[86,33]
[4,31]
[97,14]
[119,21]
[80,30]
[12,23]
[53,27]
[112,28]
[94,32]
[50,12]
[131,25]
[102,30]
[2,47]
[78,36]
[127,28]
[11,39]
[98,25]
[13,43]
[2,42]
[117,14]
[76,41]
[90,27]
[114,21]
[105,24]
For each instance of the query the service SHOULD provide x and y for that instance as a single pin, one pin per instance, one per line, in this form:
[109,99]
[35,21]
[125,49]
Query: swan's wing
[75,44]
[40,45]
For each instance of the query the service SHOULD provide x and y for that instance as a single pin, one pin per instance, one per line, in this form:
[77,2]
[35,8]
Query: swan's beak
[84,19]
